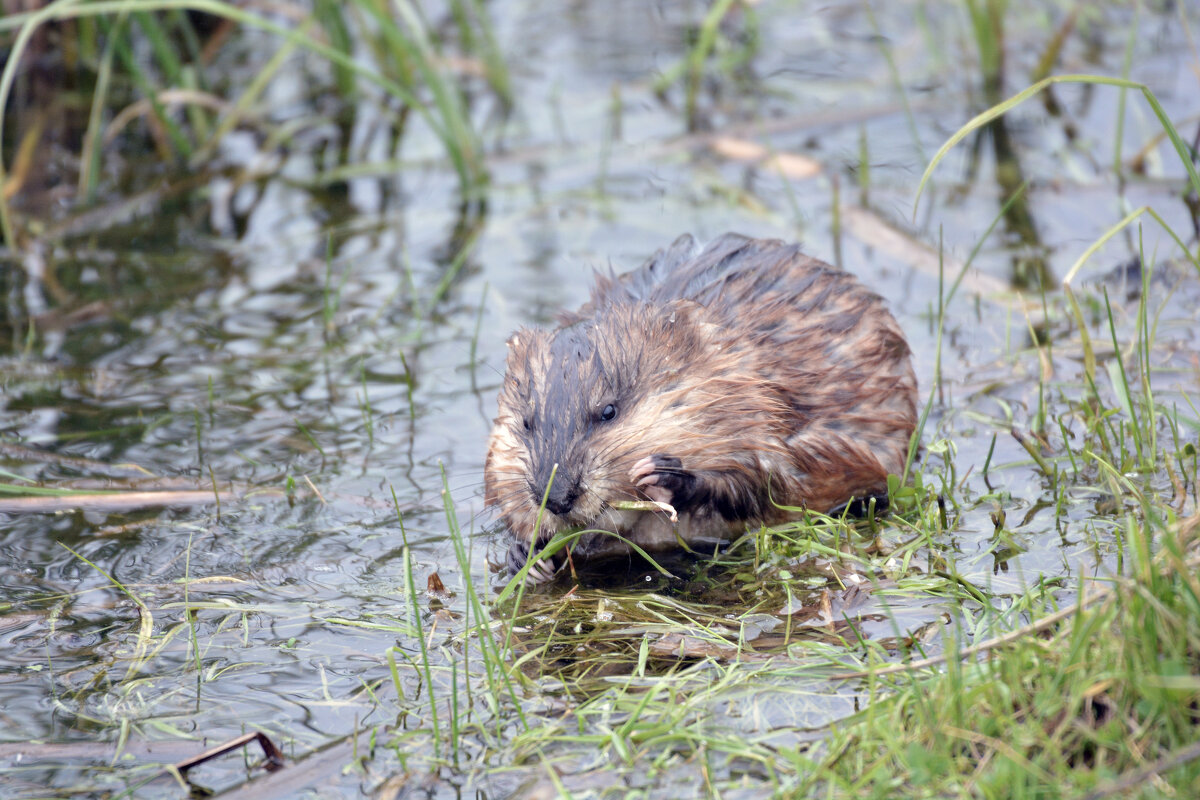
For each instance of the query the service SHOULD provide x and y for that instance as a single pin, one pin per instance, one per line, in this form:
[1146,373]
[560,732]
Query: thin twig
[113,501]
[1048,621]
[19,452]
[274,758]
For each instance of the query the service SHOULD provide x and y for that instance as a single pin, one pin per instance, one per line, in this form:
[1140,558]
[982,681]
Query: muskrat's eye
[528,423]
[609,412]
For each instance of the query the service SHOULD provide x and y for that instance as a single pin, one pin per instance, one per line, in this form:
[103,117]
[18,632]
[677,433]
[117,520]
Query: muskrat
[739,383]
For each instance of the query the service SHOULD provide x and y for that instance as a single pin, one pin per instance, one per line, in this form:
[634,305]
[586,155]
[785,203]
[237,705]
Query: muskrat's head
[591,398]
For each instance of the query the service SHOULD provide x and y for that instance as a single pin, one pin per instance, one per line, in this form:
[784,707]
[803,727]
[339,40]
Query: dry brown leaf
[435,588]
[793,165]
[737,149]
[789,165]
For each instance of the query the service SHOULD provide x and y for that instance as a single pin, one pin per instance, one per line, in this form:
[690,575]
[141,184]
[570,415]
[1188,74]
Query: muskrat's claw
[662,478]
[541,572]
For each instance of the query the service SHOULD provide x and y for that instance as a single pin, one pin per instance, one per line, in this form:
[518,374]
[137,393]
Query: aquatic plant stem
[992,113]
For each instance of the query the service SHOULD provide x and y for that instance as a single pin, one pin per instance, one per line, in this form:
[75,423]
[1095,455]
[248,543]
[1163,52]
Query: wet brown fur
[752,375]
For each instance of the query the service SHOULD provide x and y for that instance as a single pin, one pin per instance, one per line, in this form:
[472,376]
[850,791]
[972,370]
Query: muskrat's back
[735,383]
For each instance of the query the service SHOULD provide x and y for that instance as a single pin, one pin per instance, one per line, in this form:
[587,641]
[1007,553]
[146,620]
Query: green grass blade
[1000,109]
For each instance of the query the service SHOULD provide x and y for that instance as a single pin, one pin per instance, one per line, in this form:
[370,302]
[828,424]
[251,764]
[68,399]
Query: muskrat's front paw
[541,572]
[662,478]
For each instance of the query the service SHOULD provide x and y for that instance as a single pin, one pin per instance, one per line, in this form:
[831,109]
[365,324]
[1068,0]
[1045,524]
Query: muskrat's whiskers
[604,454]
[506,497]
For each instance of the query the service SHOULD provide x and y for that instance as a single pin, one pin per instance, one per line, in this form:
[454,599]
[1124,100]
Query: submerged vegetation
[1026,624]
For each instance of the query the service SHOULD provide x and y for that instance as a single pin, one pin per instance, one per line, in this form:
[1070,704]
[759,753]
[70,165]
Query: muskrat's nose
[563,494]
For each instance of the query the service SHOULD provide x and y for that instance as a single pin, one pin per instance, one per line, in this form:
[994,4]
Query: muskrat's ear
[527,352]
[523,339]
[527,348]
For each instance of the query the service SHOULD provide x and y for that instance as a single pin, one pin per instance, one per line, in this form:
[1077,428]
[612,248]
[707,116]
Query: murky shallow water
[257,362]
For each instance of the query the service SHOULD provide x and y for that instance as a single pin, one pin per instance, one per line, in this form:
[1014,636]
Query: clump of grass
[409,66]
[1104,703]
[708,41]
